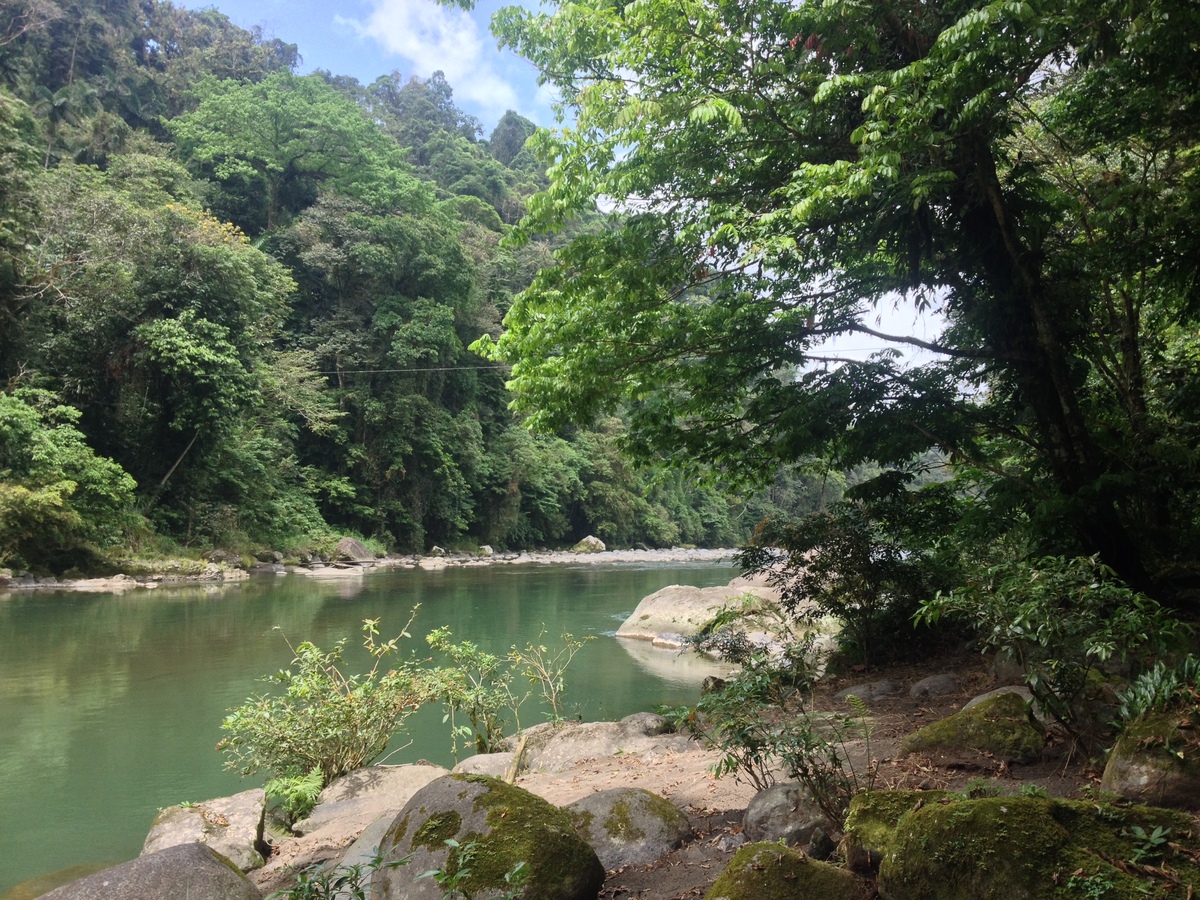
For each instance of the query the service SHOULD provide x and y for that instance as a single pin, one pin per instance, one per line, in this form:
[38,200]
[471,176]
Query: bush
[1061,620]
[59,501]
[325,719]
[745,721]
[838,563]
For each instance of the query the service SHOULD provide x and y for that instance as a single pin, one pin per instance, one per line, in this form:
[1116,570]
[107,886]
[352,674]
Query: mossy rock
[998,728]
[1154,761]
[629,826]
[1020,848]
[873,817]
[503,825]
[771,871]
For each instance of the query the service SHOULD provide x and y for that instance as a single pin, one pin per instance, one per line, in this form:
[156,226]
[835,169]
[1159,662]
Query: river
[110,705]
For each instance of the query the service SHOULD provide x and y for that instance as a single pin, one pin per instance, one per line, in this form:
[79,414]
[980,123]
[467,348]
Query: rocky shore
[351,559]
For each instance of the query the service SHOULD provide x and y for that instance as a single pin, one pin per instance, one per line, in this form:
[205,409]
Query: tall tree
[783,172]
[275,143]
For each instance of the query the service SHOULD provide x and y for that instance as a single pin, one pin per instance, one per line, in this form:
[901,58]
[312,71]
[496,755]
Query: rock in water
[193,871]
[503,825]
[629,826]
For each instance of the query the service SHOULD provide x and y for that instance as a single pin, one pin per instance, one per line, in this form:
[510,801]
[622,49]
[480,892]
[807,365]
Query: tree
[782,171]
[284,138]
[58,500]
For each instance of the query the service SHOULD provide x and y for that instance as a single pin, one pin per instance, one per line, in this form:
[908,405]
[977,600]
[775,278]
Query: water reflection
[110,705]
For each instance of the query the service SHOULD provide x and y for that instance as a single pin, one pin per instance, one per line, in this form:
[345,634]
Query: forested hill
[235,306]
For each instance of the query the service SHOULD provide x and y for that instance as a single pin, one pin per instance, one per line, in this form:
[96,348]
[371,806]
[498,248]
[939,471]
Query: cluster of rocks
[399,823]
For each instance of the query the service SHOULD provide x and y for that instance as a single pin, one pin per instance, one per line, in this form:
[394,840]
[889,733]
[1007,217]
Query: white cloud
[434,37]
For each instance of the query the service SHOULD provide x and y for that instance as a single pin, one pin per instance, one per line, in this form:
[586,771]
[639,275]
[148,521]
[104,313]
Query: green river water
[110,705]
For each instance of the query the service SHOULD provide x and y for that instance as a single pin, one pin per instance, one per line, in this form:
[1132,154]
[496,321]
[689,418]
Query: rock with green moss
[503,825]
[1156,761]
[1010,848]
[629,826]
[771,871]
[998,728]
[872,820]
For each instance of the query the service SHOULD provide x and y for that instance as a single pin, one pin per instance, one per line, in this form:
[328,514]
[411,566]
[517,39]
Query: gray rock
[870,691]
[1007,670]
[637,734]
[366,847]
[486,550]
[784,812]
[193,871]
[629,826]
[684,609]
[1140,769]
[351,803]
[353,550]
[590,544]
[496,764]
[233,826]
[935,686]
[506,826]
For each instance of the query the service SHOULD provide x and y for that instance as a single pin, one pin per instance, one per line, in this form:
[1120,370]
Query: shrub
[838,563]
[745,721]
[1060,620]
[325,719]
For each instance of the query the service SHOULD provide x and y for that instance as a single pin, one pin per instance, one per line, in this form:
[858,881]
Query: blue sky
[369,38]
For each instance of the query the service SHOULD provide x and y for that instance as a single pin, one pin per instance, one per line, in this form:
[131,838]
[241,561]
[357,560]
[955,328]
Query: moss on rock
[1155,762]
[771,871]
[999,727]
[873,816]
[504,825]
[1017,847]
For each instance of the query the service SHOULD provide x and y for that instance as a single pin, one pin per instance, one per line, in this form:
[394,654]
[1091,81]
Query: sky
[369,38]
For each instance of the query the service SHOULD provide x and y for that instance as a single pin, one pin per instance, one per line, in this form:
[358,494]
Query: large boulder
[629,826]
[1141,768]
[637,734]
[233,826]
[770,871]
[352,802]
[354,550]
[684,610]
[190,870]
[1026,847]
[998,730]
[502,825]
[785,812]
[590,544]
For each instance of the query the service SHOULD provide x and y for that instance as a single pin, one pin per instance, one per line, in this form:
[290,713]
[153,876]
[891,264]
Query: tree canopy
[781,174]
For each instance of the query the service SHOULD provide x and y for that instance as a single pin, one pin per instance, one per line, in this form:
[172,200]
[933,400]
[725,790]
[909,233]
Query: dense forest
[236,305]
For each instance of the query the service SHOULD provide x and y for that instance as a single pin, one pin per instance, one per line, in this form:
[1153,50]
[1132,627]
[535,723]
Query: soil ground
[716,806]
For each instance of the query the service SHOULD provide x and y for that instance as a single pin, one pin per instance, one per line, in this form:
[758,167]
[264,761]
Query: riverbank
[219,568]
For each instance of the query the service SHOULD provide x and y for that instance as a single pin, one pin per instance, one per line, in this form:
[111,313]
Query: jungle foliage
[1022,174]
[236,304]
